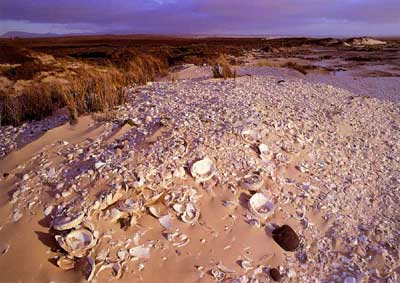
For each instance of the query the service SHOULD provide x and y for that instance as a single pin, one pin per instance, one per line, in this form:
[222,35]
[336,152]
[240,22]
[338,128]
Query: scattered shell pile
[283,152]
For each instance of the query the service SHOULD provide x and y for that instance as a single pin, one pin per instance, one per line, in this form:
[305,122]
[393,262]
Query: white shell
[265,153]
[203,170]
[166,221]
[191,214]
[250,136]
[116,214]
[77,242]
[261,206]
[66,222]
[140,252]
[246,265]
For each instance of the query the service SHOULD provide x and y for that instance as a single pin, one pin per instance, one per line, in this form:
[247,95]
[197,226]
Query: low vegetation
[33,88]
[223,69]
[86,74]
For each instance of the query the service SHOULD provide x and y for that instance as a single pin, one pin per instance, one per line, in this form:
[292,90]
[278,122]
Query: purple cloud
[209,16]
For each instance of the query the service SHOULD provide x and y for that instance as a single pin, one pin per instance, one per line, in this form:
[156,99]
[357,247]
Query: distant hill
[22,34]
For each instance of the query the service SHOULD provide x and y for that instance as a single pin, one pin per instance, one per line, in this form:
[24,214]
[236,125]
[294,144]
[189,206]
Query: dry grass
[79,86]
[223,69]
[300,68]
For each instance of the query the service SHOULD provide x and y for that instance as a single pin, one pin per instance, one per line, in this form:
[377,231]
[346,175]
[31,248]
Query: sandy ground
[327,159]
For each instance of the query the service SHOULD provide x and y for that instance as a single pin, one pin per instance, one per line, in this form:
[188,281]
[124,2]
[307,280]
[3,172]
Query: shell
[155,211]
[166,221]
[66,263]
[225,269]
[203,170]
[177,239]
[67,222]
[191,214]
[252,182]
[110,198]
[261,206]
[265,153]
[246,265]
[129,206]
[140,252]
[116,214]
[250,136]
[218,274]
[77,242]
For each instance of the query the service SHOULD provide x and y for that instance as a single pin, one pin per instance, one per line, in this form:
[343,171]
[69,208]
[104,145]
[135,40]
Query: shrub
[222,69]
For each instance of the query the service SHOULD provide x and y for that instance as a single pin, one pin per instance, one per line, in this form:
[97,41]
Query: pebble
[350,280]
[275,275]
[286,238]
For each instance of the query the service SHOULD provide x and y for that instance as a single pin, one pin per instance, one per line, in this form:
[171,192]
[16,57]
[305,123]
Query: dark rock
[275,275]
[286,238]
[5,175]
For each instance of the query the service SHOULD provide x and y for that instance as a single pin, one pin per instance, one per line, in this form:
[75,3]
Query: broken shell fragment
[166,221]
[117,214]
[265,153]
[110,198]
[66,263]
[67,222]
[252,182]
[140,252]
[218,274]
[250,136]
[225,269]
[177,239]
[261,206]
[191,214]
[77,242]
[246,265]
[203,170]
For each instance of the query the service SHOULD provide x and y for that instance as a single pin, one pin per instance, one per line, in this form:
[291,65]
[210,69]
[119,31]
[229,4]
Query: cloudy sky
[245,17]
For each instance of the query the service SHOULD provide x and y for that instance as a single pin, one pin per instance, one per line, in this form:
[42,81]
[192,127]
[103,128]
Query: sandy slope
[331,169]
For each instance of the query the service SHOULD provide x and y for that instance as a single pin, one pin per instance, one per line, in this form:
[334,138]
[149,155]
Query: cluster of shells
[283,150]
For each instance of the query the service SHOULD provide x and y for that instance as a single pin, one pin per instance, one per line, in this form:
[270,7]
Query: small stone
[350,280]
[25,177]
[5,175]
[275,275]
[286,238]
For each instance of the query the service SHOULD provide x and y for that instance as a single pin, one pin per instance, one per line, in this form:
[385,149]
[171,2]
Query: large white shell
[67,222]
[261,205]
[77,242]
[203,170]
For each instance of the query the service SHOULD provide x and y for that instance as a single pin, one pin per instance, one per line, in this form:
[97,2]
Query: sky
[211,17]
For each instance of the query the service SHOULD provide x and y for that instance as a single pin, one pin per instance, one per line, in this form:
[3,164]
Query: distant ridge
[22,34]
